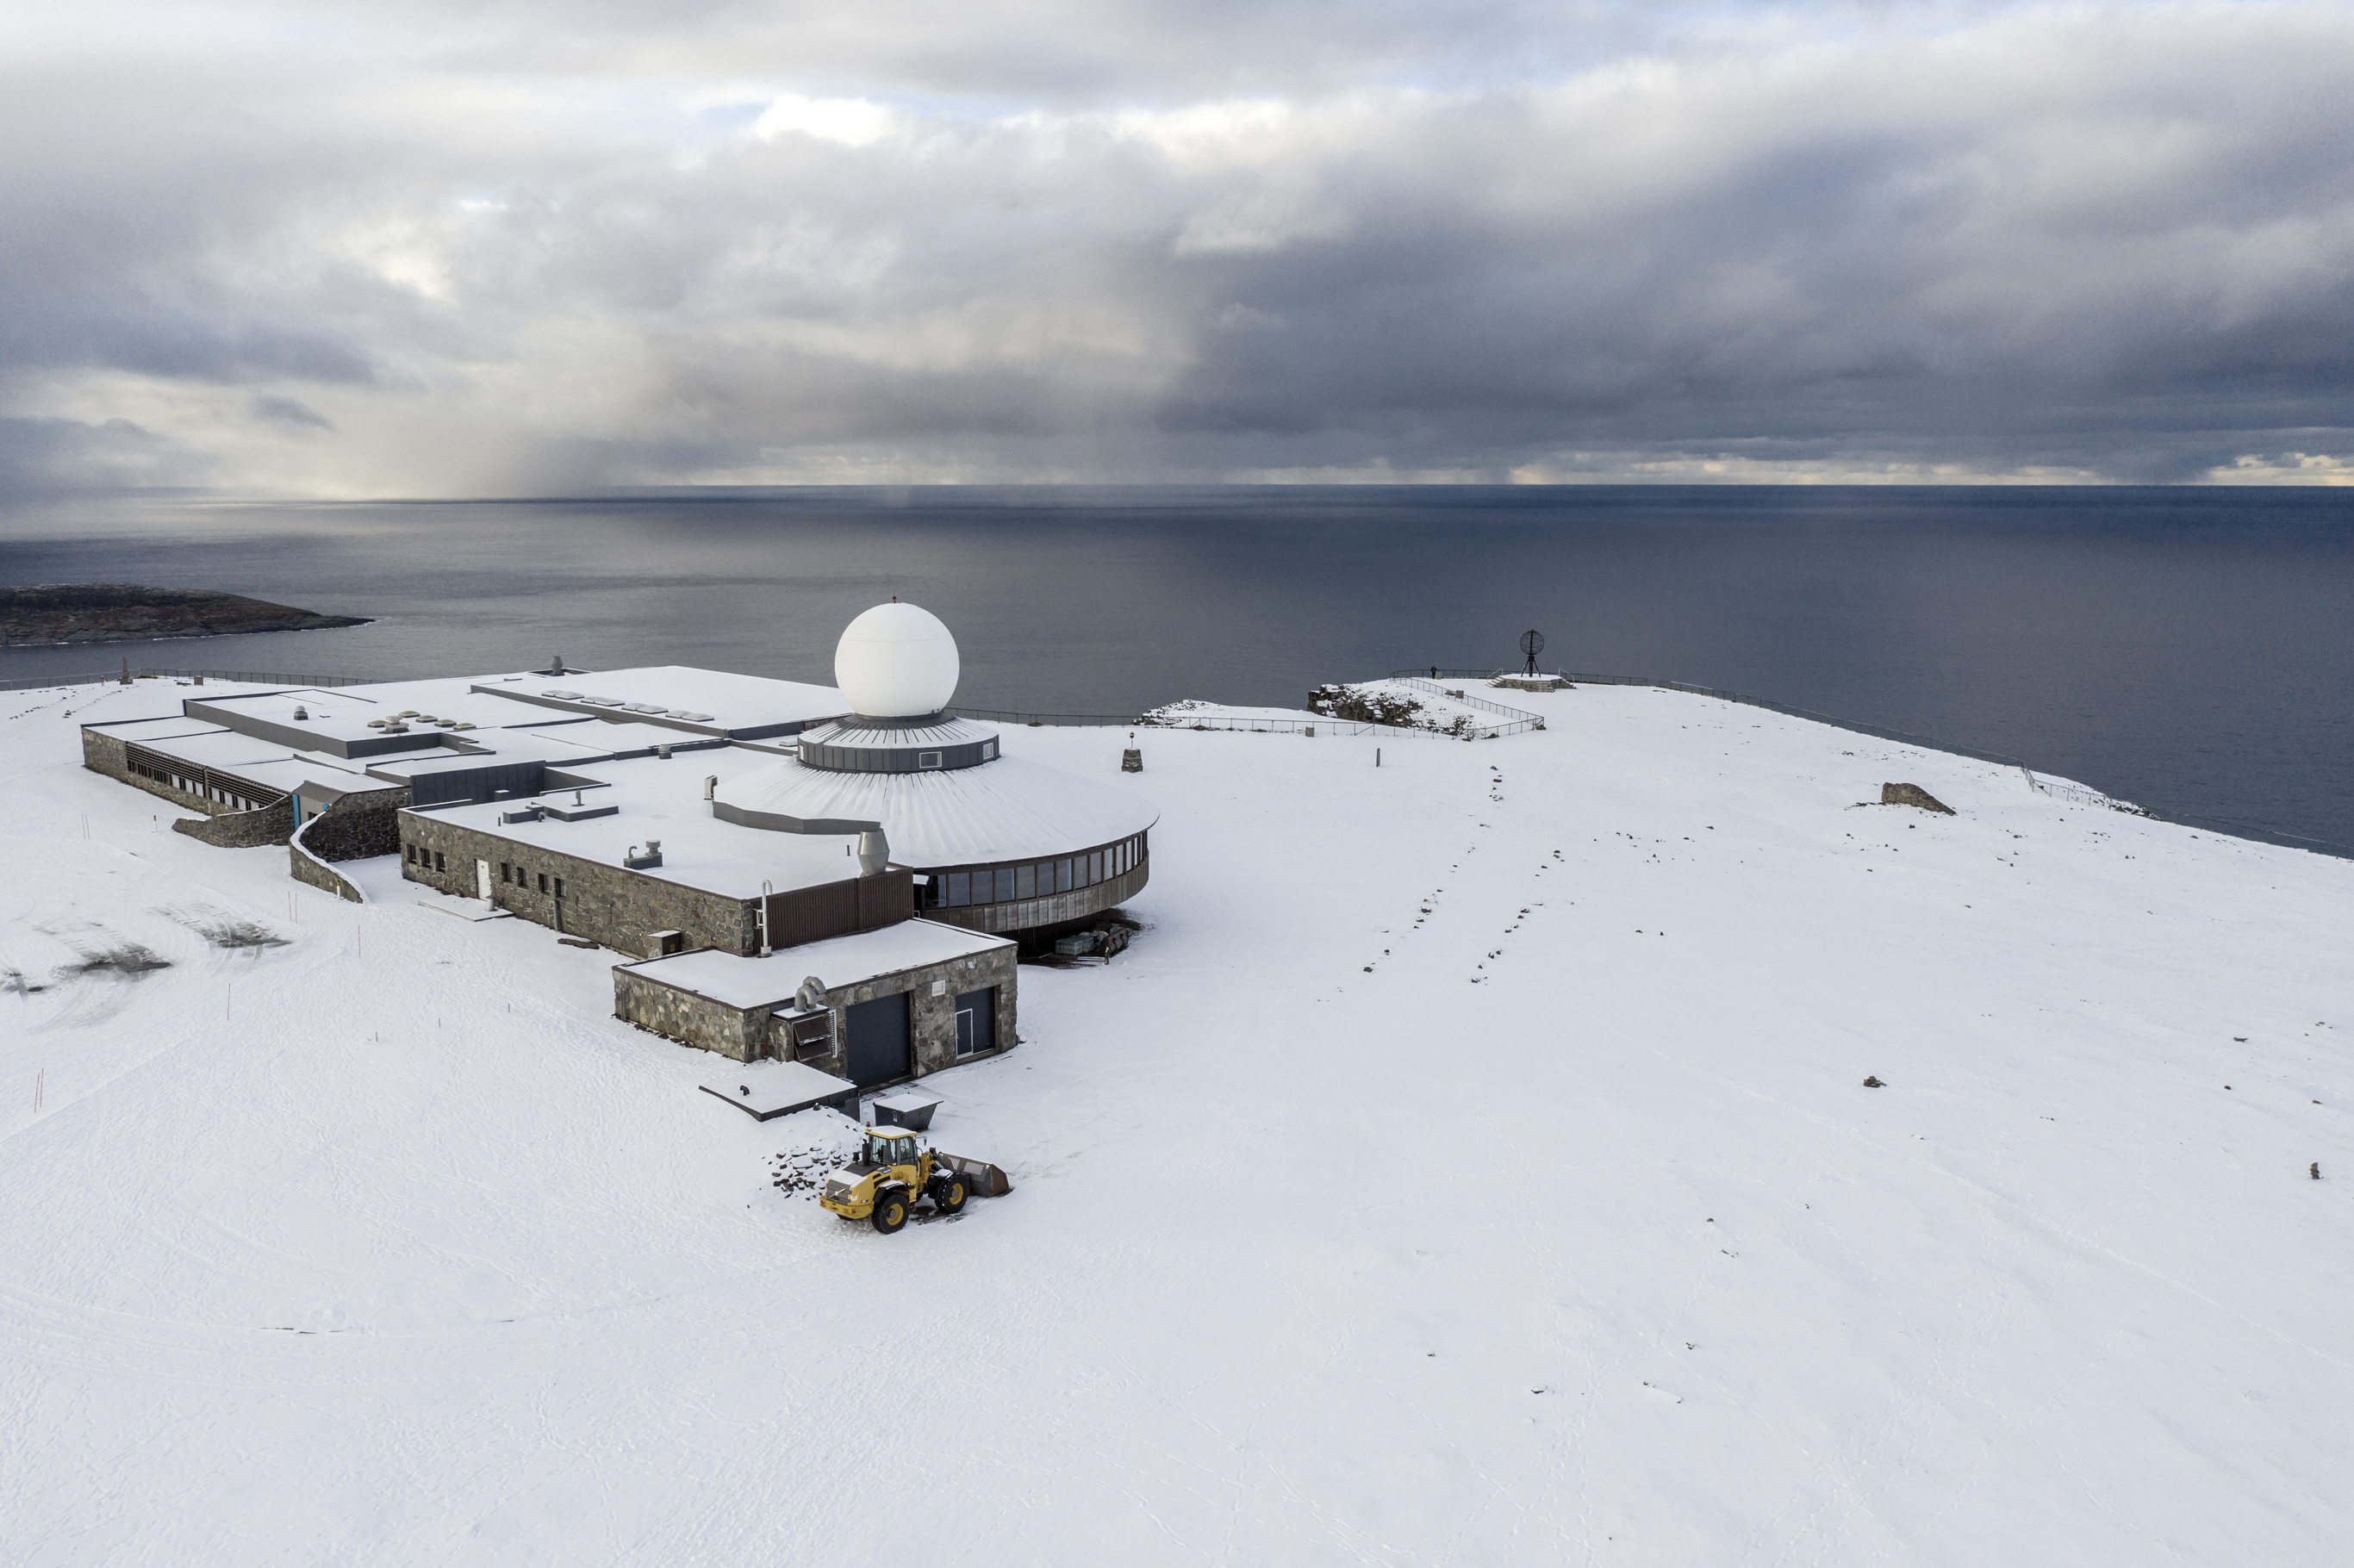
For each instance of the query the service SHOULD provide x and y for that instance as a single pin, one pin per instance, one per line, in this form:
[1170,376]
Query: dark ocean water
[2190,648]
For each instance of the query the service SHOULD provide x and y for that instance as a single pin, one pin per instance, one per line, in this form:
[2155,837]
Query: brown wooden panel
[885,898]
[812,914]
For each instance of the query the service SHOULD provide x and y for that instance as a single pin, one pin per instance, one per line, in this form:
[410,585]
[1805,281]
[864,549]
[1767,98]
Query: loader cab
[888,1146]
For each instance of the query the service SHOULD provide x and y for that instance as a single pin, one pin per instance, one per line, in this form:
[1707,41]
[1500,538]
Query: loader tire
[950,1196]
[890,1210]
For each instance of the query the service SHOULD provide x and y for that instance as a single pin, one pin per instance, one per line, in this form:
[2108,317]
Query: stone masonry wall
[689,1019]
[358,826]
[306,867]
[271,824]
[606,904]
[103,753]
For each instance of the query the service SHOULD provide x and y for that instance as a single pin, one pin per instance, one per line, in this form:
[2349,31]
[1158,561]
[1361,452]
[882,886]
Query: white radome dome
[896,661]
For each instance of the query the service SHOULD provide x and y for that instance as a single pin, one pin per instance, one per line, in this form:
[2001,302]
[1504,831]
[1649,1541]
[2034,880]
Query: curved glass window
[1035,879]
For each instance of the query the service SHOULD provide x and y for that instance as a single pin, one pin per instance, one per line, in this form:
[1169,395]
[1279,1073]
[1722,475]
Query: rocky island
[127,612]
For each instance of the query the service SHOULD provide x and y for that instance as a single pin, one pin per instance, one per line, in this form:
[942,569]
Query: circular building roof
[896,746]
[896,661]
[1010,809]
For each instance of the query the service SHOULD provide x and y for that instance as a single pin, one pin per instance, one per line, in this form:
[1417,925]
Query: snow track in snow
[386,1243]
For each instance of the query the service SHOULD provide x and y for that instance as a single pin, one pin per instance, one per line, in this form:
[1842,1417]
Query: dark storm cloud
[1625,244]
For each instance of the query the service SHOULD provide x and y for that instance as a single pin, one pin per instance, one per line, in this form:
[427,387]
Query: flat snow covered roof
[566,743]
[1009,810]
[715,701]
[256,761]
[837,961]
[343,713]
[146,732]
[663,800]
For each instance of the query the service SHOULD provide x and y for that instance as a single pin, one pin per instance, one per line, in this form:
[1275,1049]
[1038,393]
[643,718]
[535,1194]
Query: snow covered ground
[1470,1163]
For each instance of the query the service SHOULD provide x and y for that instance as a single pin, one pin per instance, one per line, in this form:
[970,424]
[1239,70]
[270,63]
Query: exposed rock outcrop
[127,612]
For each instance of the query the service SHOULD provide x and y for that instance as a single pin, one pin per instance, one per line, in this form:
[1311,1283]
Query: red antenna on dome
[894,598]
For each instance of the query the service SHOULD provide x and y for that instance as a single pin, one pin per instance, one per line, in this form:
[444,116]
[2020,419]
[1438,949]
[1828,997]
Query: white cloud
[851,122]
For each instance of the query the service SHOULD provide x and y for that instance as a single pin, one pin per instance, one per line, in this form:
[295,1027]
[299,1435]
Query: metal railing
[242,677]
[1515,719]
[1000,716]
[1252,724]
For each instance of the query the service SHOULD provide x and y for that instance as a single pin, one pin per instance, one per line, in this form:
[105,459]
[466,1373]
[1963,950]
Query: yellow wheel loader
[891,1173]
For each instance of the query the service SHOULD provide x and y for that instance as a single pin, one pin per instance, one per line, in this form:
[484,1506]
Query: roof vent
[302,714]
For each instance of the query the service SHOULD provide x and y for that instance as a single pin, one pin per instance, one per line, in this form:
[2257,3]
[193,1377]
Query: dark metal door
[878,1039]
[976,1021]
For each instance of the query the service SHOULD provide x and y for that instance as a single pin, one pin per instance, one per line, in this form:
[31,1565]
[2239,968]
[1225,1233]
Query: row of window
[206,789]
[512,874]
[1008,883]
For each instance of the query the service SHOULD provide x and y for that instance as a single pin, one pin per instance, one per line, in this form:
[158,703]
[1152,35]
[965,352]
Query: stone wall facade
[103,753]
[606,904]
[753,1034]
[360,826]
[738,1033]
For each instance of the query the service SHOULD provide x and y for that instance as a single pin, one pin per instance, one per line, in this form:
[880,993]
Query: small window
[928,759]
[1062,876]
[1004,876]
[543,882]
[1026,882]
[506,871]
[560,887]
[988,749]
[438,864]
[960,889]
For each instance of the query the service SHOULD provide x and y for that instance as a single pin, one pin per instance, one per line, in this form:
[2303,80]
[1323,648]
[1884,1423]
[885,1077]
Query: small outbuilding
[873,1008]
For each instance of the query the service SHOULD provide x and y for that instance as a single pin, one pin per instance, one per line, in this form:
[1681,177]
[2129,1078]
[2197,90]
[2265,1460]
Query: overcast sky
[513,246]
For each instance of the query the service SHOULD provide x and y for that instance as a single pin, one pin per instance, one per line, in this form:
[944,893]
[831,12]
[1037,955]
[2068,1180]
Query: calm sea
[2190,648]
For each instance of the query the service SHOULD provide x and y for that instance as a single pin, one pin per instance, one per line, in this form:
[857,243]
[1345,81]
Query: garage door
[878,1039]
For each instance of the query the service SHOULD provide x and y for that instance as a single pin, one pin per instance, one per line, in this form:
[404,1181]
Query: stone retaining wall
[271,824]
[306,867]
[360,826]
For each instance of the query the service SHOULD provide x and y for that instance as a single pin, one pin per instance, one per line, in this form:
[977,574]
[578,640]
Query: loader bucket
[981,1179]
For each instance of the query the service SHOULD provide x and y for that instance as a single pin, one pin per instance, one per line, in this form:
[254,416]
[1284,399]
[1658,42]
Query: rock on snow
[1551,1224]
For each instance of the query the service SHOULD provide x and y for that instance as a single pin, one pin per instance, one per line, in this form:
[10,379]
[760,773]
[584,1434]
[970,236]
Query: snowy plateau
[1470,1162]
